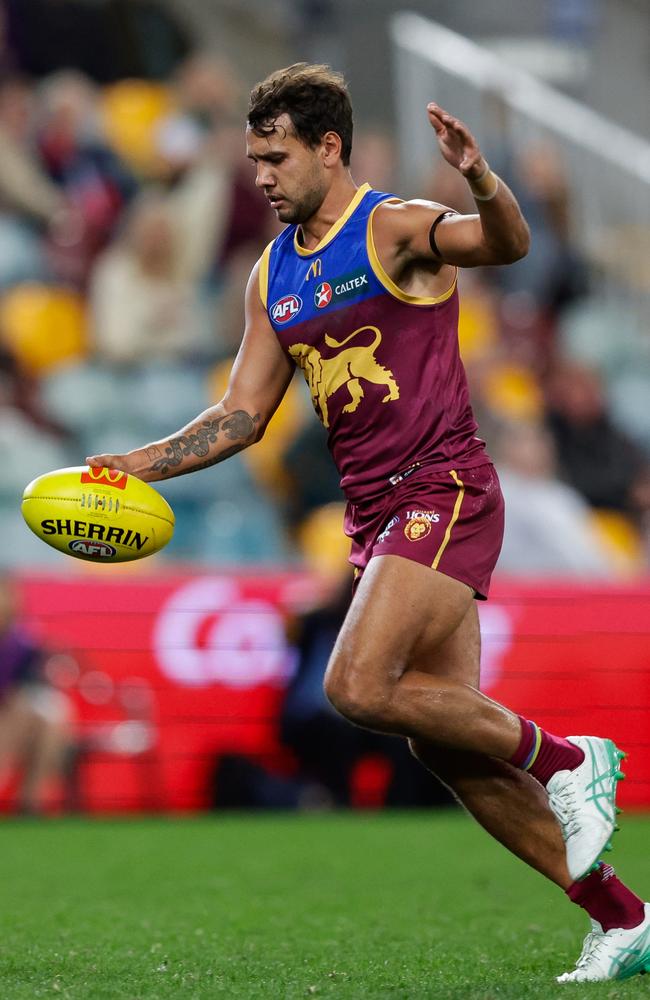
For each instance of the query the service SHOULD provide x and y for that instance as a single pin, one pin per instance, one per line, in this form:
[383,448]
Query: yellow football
[101,515]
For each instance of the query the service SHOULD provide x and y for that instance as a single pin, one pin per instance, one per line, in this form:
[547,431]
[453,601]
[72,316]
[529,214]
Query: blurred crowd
[129,222]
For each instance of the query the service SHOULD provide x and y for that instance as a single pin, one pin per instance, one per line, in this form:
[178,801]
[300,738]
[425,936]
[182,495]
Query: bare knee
[358,697]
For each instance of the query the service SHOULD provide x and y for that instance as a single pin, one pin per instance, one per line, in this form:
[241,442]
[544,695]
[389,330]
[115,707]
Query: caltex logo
[323,295]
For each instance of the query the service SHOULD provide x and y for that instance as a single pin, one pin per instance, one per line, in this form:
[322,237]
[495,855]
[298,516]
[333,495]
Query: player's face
[290,174]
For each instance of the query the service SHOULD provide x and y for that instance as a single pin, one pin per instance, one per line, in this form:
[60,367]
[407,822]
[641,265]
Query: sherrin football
[101,515]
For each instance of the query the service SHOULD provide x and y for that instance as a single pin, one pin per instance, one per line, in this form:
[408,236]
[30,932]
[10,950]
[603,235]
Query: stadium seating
[323,546]
[477,328]
[43,325]
[622,539]
[132,111]
[513,393]
[25,452]
[81,394]
[628,394]
[241,530]
[22,258]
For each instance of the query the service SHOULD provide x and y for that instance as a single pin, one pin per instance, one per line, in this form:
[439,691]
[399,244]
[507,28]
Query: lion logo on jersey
[347,368]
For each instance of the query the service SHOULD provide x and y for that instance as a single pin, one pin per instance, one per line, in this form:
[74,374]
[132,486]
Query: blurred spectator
[208,98]
[374,159]
[596,457]
[205,131]
[20,391]
[29,200]
[24,187]
[225,221]
[144,309]
[553,274]
[108,39]
[549,530]
[312,475]
[34,716]
[86,170]
[329,750]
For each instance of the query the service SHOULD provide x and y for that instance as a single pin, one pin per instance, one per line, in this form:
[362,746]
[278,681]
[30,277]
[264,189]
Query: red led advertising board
[164,673]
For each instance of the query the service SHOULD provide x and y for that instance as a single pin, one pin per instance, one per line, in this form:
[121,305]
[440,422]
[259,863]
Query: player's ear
[331,145]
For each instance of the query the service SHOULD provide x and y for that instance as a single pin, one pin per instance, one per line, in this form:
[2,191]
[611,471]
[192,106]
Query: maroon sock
[607,900]
[542,754]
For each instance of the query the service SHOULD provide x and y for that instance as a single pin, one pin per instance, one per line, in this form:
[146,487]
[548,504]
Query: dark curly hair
[315,98]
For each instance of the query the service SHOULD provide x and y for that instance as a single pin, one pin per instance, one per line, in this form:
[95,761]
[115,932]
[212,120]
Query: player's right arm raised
[258,381]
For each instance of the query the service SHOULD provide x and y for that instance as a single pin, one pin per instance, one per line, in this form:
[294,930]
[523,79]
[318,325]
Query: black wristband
[432,232]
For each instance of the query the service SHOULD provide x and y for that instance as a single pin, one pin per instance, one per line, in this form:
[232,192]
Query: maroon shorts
[451,521]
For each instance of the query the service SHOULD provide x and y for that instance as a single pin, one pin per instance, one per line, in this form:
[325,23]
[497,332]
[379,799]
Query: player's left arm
[497,234]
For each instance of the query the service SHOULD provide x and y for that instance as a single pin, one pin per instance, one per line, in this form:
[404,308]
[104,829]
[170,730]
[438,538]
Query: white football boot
[615,954]
[584,802]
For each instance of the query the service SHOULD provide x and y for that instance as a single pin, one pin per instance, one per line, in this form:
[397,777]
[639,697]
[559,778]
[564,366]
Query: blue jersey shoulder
[303,284]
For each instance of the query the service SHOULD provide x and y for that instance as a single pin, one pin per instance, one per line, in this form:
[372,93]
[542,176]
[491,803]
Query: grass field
[360,905]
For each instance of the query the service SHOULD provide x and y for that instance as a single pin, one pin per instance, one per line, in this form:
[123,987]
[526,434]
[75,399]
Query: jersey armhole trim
[264,274]
[387,281]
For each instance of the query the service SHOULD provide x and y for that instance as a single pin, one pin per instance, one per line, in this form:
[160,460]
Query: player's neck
[331,209]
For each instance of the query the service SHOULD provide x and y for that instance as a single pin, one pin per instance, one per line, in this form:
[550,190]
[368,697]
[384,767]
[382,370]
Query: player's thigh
[398,605]
[458,656]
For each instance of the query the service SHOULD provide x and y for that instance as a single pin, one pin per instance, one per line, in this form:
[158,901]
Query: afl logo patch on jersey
[323,295]
[286,308]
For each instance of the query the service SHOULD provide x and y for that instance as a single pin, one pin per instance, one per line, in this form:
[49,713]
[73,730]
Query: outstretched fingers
[445,119]
[458,145]
[435,114]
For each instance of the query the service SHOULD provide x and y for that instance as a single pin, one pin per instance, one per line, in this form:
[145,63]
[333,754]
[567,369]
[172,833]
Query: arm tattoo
[238,427]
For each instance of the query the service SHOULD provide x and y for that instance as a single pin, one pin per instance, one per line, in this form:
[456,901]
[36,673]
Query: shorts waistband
[399,477]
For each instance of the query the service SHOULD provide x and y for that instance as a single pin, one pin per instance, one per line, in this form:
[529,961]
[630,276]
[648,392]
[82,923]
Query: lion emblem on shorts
[349,368]
[417,528]
[418,523]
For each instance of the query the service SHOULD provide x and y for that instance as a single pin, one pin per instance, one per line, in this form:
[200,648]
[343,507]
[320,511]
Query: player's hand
[121,462]
[456,142]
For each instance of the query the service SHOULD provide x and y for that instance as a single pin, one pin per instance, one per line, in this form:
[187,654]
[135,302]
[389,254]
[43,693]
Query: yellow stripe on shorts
[453,519]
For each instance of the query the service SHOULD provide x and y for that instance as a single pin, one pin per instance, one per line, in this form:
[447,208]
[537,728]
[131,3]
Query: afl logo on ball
[96,550]
[286,308]
[109,477]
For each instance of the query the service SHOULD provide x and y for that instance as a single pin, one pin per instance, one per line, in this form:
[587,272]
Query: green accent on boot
[598,780]
[640,947]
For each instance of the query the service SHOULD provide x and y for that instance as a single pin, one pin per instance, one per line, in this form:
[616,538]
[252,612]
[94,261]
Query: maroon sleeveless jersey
[382,366]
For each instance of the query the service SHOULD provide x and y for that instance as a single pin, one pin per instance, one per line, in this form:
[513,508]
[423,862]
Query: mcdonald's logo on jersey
[109,477]
[315,269]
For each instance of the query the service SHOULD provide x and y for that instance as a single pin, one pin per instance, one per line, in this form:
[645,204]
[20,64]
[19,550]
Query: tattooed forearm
[238,426]
[215,461]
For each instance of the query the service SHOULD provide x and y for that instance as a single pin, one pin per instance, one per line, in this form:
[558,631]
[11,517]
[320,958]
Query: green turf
[395,906]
